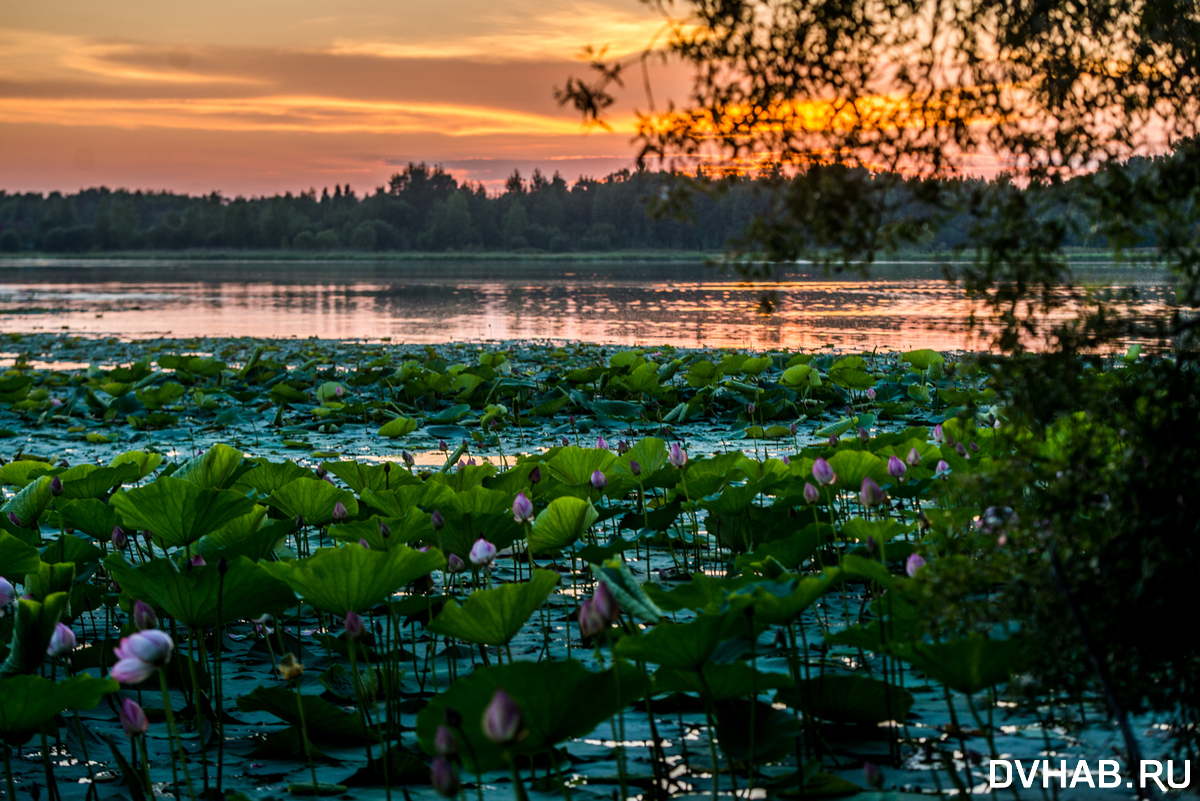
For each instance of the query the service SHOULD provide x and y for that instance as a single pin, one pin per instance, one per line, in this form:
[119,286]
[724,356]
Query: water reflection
[902,306]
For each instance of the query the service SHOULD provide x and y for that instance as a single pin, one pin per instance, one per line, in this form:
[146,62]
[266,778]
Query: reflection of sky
[905,306]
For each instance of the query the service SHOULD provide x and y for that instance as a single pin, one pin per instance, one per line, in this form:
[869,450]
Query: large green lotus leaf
[146,463]
[558,701]
[68,548]
[969,665]
[480,501]
[16,557]
[197,597]
[702,592]
[33,627]
[26,702]
[685,646]
[853,466]
[561,523]
[777,603]
[493,617]
[23,471]
[324,721]
[849,699]
[882,531]
[91,516]
[179,512]
[379,477]
[765,734]
[236,539]
[398,502]
[461,479]
[269,476]
[709,475]
[313,500]
[398,427]
[90,481]
[922,359]
[416,526]
[791,551]
[352,578]
[217,468]
[651,455]
[574,466]
[49,579]
[30,502]
[626,590]
[800,376]
[719,682]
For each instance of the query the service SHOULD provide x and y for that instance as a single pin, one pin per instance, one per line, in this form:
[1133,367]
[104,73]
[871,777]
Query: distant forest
[425,209]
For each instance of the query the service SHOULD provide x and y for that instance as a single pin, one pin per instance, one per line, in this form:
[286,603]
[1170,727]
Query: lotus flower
[863,434]
[139,655]
[522,509]
[823,472]
[871,394]
[442,446]
[455,564]
[133,719]
[871,494]
[408,458]
[792,429]
[339,512]
[12,518]
[56,488]
[483,553]
[604,603]
[896,468]
[384,531]
[939,436]
[119,539]
[601,444]
[833,440]
[355,628]
[914,563]
[363,542]
[62,642]
[751,409]
[598,480]
[535,475]
[914,458]
[7,592]
[144,617]
[437,521]
[445,743]
[565,442]
[635,468]
[943,467]
[591,622]
[811,494]
[677,455]
[444,777]
[198,561]
[502,720]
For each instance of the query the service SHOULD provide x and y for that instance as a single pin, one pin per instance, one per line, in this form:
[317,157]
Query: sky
[257,97]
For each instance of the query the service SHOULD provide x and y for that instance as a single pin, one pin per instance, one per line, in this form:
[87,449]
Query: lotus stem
[173,732]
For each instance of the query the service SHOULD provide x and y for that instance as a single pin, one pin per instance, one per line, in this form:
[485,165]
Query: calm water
[902,306]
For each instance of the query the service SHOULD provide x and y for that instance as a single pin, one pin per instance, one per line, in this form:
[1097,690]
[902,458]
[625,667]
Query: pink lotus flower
[598,480]
[502,720]
[896,468]
[339,511]
[605,604]
[522,509]
[144,617]
[591,622]
[62,642]
[943,467]
[915,562]
[914,458]
[601,444]
[139,655]
[455,564]
[939,436]
[811,494]
[677,456]
[355,628]
[444,778]
[445,743]
[871,494]
[483,553]
[133,719]
[7,592]
[119,539]
[823,472]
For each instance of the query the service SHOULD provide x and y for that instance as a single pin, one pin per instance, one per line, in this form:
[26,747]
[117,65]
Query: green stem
[174,734]
[312,770]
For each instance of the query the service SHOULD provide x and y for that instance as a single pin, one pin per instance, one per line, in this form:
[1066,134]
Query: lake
[901,306]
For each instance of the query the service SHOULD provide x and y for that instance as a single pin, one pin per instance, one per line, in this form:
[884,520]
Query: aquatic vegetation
[735,573]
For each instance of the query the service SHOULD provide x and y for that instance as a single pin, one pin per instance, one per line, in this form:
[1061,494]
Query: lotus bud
[871,494]
[198,561]
[601,444]
[455,564]
[535,475]
[444,778]
[939,436]
[56,488]
[522,509]
[750,409]
[914,458]
[133,719]
[7,592]
[565,442]
[780,638]
[677,456]
[863,434]
[502,721]
[914,563]
[871,394]
[144,617]
[339,511]
[289,667]
[408,458]
[12,518]
[445,743]
[363,542]
[120,540]
[355,628]
[635,468]
[598,480]
[299,521]
[591,622]
[785,459]
[384,531]
[571,420]
[811,494]
[605,604]
[823,472]
[896,468]
[339,391]
[942,468]
[322,472]
[873,775]
[62,642]
[792,429]
[961,450]
[834,441]
[328,479]
[442,446]
[996,426]
[974,447]
[437,521]
[483,553]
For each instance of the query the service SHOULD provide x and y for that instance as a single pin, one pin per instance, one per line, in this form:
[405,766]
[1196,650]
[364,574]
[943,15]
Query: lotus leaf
[493,617]
[179,512]
[352,578]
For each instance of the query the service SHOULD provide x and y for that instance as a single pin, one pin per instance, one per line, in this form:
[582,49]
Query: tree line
[424,208]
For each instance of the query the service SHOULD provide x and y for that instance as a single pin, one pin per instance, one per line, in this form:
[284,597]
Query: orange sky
[263,96]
